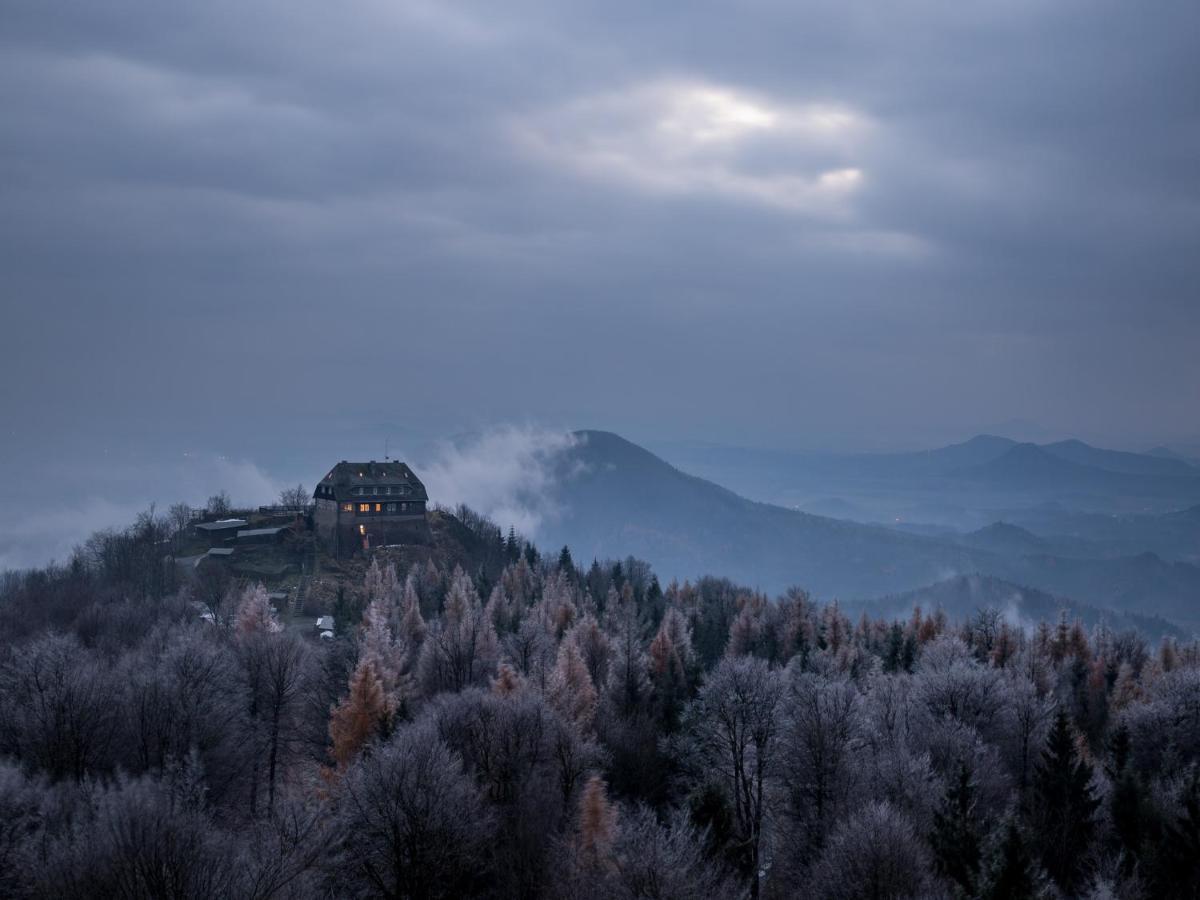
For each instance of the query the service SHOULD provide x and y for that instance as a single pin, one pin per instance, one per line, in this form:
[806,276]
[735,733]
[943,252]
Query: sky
[267,231]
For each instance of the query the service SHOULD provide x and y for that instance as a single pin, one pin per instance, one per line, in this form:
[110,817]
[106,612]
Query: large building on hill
[371,504]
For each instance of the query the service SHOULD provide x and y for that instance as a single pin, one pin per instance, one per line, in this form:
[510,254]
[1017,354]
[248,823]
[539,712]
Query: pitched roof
[346,476]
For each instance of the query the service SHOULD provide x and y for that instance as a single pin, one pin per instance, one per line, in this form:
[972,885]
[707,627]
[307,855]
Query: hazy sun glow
[711,114]
[693,137]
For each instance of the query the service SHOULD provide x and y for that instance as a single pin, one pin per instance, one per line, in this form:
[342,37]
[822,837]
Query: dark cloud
[767,222]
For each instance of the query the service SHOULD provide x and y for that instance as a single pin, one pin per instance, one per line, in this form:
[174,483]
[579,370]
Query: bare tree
[219,504]
[734,739]
[412,821]
[294,497]
[58,708]
[820,740]
[180,517]
[876,853]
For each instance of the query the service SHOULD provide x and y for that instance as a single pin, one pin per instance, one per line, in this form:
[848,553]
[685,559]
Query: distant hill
[1028,465]
[1144,583]
[962,596]
[960,485]
[1173,535]
[1071,468]
[616,498]
[1118,461]
[1001,537]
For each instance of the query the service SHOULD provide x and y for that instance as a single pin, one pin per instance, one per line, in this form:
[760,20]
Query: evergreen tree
[1065,805]
[1011,873]
[1177,870]
[954,839]
[532,557]
[512,546]
[893,658]
[566,565]
[1125,801]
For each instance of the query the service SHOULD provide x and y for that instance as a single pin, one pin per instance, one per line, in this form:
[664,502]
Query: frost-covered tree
[411,822]
[732,740]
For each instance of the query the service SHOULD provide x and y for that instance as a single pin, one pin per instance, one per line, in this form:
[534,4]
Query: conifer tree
[1011,872]
[532,557]
[597,823]
[361,715]
[1176,873]
[954,839]
[571,688]
[507,681]
[254,613]
[1125,798]
[1065,805]
[566,565]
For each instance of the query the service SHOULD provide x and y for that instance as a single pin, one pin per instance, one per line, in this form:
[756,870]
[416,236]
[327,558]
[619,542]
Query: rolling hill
[962,596]
[616,499]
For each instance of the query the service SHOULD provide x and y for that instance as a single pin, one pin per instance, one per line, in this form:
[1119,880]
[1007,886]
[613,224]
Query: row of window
[378,508]
[369,490]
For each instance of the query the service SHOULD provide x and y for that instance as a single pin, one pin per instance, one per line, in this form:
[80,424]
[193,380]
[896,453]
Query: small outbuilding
[272,535]
[217,532]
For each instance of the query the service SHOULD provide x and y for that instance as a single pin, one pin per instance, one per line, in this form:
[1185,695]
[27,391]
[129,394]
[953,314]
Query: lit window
[347,507]
[378,507]
[364,507]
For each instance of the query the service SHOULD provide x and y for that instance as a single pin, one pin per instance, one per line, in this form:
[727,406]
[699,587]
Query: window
[378,507]
[403,507]
[364,507]
[391,508]
[347,507]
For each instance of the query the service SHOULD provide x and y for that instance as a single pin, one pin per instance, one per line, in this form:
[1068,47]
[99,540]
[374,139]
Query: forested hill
[531,728]
[616,498]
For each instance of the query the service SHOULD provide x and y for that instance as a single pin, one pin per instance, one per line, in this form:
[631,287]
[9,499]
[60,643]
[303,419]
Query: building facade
[373,504]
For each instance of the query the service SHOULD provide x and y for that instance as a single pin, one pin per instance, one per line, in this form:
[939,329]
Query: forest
[519,726]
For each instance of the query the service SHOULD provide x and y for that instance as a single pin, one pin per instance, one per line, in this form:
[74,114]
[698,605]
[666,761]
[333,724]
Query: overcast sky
[772,223]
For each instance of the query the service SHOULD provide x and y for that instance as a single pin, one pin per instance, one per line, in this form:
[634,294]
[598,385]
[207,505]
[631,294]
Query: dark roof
[346,476]
[222,525]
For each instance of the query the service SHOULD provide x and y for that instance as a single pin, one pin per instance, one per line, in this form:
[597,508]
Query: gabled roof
[346,476]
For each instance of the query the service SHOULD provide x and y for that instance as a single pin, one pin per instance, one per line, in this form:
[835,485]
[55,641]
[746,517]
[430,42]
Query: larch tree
[363,714]
[597,824]
[571,691]
[254,613]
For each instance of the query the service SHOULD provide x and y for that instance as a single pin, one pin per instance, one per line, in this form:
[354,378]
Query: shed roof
[221,524]
[262,532]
